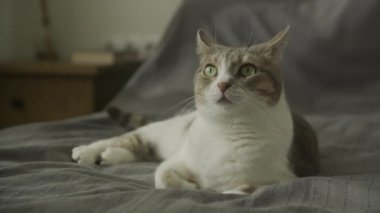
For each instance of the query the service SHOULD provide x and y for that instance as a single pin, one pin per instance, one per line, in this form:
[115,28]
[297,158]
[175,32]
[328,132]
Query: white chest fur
[240,151]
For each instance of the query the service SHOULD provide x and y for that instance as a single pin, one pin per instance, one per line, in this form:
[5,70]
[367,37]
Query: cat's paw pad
[116,155]
[235,192]
[172,179]
[242,190]
[84,154]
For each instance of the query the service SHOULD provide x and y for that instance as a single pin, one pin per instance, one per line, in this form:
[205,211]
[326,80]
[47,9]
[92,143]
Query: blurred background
[84,24]
[59,59]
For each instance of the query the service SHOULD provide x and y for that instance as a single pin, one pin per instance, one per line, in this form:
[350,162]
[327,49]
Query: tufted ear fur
[204,42]
[273,48]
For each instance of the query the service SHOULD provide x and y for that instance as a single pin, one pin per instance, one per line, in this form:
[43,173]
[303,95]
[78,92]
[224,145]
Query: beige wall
[81,24]
[5,25]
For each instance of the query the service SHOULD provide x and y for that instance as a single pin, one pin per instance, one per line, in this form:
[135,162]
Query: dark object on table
[46,50]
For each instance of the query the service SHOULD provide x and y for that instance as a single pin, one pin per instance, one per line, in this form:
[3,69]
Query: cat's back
[303,154]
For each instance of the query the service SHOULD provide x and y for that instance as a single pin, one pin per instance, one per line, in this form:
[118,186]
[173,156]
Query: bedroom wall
[5,22]
[81,24]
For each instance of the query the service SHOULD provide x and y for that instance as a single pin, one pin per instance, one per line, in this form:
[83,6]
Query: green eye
[247,70]
[210,71]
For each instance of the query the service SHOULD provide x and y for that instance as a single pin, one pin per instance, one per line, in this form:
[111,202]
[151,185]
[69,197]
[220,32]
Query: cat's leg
[173,173]
[157,140]
[242,189]
[116,155]
[125,148]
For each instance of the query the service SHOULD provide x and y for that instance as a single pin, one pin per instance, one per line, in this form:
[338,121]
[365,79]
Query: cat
[242,134]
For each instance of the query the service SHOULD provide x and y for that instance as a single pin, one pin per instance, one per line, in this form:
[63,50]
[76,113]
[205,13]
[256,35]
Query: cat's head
[231,78]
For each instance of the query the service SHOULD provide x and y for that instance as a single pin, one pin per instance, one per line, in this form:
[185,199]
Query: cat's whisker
[215,39]
[185,102]
[246,40]
[188,107]
[247,43]
[189,104]
[258,37]
[215,30]
[249,37]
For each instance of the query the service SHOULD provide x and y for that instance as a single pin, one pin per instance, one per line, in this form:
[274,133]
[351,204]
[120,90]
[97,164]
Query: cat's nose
[223,86]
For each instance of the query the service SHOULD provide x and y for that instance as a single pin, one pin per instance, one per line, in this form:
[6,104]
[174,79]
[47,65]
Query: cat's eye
[247,70]
[210,71]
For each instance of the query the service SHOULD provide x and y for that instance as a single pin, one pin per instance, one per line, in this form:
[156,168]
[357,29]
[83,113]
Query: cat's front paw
[102,152]
[85,154]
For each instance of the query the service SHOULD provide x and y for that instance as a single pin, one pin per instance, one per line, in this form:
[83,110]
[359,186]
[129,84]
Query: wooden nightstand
[44,91]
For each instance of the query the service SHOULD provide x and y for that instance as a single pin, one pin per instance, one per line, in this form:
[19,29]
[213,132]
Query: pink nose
[223,86]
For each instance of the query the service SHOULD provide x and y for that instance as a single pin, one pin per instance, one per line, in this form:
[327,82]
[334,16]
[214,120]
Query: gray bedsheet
[37,175]
[332,75]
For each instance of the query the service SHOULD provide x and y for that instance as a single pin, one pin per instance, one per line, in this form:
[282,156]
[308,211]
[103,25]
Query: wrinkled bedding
[331,75]
[37,175]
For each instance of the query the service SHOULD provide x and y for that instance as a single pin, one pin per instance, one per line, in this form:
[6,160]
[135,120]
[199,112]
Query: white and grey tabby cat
[241,136]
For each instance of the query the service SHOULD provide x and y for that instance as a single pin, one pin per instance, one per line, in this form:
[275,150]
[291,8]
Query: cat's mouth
[224,100]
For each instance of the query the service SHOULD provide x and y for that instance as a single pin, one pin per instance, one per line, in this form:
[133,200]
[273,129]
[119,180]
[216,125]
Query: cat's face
[237,78]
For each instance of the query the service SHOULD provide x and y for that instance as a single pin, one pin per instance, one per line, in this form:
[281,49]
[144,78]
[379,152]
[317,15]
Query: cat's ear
[274,47]
[204,42]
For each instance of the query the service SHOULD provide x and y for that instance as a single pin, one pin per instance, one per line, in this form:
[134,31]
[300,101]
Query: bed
[332,76]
